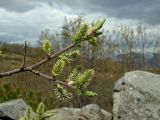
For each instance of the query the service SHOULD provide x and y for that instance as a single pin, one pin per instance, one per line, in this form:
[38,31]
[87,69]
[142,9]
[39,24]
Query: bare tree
[126,43]
[129,41]
[141,30]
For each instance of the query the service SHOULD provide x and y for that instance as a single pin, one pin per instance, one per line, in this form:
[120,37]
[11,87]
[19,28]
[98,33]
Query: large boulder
[136,96]
[13,110]
[88,112]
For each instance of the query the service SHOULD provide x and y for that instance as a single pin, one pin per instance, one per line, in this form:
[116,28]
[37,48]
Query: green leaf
[22,118]
[29,110]
[29,115]
[79,36]
[48,114]
[72,77]
[74,54]
[47,46]
[98,33]
[93,41]
[90,93]
[87,75]
[99,23]
[58,67]
[62,94]
[82,80]
[69,56]
[40,110]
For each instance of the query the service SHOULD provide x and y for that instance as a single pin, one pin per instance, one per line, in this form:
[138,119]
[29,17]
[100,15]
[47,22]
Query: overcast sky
[22,20]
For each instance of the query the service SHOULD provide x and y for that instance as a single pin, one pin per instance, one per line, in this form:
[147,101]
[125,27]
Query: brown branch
[36,72]
[50,57]
[24,56]
[52,78]
[9,73]
[36,65]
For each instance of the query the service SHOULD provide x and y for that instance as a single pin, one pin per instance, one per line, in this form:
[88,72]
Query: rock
[106,115]
[94,112]
[136,96]
[65,114]
[13,110]
[91,112]
[88,112]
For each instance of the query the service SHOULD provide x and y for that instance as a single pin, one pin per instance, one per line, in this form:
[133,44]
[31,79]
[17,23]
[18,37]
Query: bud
[40,110]
[93,41]
[90,93]
[70,82]
[74,54]
[58,67]
[47,46]
[80,35]
[98,34]
[99,23]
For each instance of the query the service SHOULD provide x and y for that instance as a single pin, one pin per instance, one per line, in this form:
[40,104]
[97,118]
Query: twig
[24,56]
[51,57]
[9,73]
[51,78]
[36,65]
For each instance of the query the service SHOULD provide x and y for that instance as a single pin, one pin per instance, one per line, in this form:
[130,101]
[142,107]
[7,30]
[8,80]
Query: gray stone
[136,96]
[13,110]
[94,112]
[65,114]
[88,112]
[106,115]
[91,112]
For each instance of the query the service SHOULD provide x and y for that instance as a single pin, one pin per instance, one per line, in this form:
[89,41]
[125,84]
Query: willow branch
[9,73]
[51,78]
[36,65]
[50,57]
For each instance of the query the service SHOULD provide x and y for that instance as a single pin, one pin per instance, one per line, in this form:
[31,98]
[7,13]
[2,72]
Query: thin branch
[52,78]
[9,73]
[24,56]
[51,57]
[36,72]
[36,65]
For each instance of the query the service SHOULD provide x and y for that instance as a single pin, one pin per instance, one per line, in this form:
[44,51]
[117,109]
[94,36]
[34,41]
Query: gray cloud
[148,10]
[20,26]
[16,5]
[24,19]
